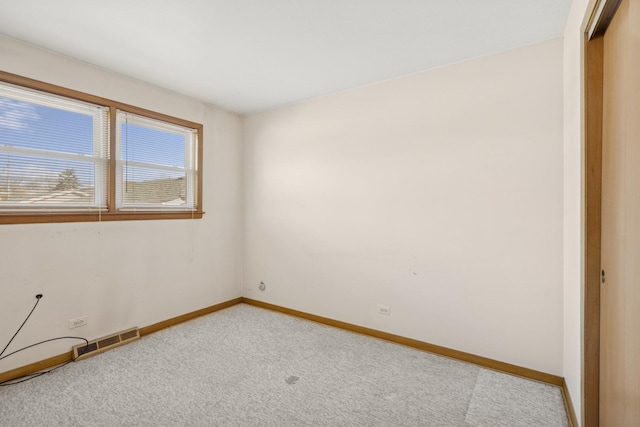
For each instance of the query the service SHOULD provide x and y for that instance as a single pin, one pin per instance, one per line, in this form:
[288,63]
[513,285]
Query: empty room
[319,213]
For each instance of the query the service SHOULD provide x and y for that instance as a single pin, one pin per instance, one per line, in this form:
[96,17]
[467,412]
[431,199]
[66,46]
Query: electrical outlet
[383,309]
[77,322]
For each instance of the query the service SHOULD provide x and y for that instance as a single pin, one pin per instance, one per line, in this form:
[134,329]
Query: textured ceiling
[252,55]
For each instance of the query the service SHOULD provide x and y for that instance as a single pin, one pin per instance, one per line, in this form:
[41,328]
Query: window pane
[145,144]
[151,186]
[52,151]
[156,164]
[35,126]
[33,180]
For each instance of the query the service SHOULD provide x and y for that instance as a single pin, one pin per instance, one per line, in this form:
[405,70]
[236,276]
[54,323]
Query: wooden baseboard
[183,318]
[45,364]
[32,368]
[568,404]
[420,345]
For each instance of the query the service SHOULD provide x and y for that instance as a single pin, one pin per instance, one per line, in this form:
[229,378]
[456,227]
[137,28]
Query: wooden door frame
[600,17]
[592,224]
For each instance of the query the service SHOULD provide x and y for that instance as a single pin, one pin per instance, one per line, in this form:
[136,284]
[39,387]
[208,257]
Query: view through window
[55,158]
[156,163]
[53,152]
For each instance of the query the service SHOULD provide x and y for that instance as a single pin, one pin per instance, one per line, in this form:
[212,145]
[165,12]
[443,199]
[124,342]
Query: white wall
[438,194]
[121,274]
[573,198]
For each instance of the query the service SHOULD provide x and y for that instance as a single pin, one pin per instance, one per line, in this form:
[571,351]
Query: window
[69,156]
[53,152]
[156,166]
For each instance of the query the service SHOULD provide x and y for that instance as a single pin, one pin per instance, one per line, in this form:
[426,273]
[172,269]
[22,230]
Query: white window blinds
[53,152]
[156,164]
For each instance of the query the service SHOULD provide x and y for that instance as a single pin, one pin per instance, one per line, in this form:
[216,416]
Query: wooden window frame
[111,214]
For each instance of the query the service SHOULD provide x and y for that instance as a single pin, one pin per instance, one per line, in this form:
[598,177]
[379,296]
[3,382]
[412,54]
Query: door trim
[592,224]
[601,15]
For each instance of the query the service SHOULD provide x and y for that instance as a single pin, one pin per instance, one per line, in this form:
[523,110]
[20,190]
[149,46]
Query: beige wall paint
[573,167]
[121,274]
[439,195]
[349,196]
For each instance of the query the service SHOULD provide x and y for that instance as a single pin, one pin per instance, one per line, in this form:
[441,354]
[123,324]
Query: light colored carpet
[501,400]
[245,366]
